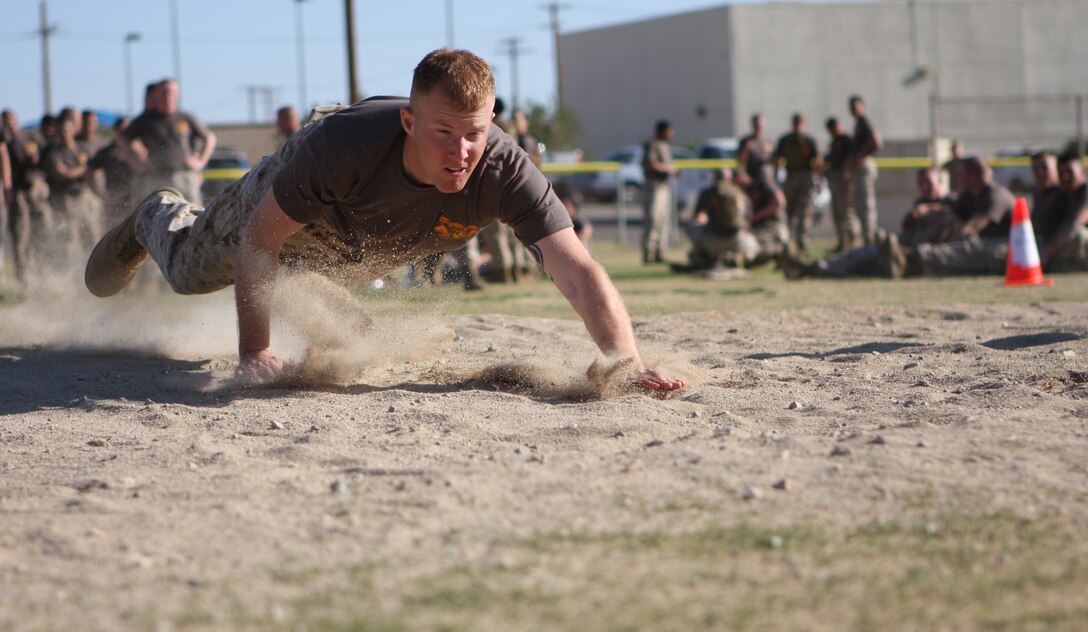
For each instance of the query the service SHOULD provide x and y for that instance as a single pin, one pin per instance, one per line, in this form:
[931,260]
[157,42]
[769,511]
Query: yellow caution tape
[224,175]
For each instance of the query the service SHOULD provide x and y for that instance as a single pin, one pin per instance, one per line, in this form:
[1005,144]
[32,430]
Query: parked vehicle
[224,166]
[602,185]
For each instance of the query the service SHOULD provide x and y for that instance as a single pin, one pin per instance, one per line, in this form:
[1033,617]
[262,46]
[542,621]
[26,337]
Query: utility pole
[47,81]
[175,36]
[553,11]
[303,105]
[355,94]
[130,39]
[513,48]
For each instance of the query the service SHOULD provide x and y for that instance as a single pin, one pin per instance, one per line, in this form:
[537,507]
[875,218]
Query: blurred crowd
[65,183]
[751,216]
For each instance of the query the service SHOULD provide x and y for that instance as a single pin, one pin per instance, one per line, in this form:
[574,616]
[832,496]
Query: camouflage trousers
[498,240]
[798,192]
[79,222]
[1073,257]
[865,198]
[710,249]
[30,221]
[973,255]
[196,247]
[772,236]
[842,212]
[862,261]
[656,203]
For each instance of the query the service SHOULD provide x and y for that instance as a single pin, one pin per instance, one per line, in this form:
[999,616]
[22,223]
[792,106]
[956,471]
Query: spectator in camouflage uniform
[767,222]
[1063,233]
[77,210]
[719,230]
[802,159]
[170,147]
[837,172]
[930,219]
[867,142]
[656,194]
[754,152]
[980,245]
[30,217]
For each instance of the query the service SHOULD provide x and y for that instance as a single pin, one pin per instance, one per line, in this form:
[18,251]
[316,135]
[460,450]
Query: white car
[602,185]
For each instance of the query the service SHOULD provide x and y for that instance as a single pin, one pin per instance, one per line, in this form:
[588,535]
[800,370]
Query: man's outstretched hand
[651,380]
[259,368]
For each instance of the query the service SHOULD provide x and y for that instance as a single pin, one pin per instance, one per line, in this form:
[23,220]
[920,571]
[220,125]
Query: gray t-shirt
[350,171]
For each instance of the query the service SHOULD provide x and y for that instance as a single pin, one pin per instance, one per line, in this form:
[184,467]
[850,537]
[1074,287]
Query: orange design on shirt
[449,229]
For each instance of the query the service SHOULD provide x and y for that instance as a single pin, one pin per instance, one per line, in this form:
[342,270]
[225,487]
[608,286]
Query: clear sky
[227,45]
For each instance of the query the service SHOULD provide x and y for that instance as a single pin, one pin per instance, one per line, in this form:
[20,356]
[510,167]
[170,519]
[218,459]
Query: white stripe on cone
[1023,250]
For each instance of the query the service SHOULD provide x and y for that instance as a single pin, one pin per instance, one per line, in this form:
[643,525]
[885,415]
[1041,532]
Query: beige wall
[255,141]
[782,57]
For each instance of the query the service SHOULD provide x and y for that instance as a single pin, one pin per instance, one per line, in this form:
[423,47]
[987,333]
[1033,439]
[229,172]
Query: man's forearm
[253,290]
[209,146]
[598,302]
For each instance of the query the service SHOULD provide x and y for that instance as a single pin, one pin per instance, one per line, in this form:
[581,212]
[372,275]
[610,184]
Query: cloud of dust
[340,340]
[317,323]
[145,318]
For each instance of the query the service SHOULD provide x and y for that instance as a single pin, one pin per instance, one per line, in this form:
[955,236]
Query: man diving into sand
[358,192]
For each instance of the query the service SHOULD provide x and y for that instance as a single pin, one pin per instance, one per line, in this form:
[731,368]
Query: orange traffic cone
[1022,265]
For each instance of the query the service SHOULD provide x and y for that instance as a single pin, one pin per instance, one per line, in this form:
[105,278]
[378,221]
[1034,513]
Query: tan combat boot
[118,255]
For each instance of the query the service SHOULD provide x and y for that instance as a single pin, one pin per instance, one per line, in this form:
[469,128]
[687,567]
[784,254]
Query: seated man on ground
[768,220]
[979,246]
[719,231]
[930,219]
[1063,231]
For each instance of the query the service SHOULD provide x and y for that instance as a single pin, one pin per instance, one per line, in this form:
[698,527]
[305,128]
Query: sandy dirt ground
[141,489]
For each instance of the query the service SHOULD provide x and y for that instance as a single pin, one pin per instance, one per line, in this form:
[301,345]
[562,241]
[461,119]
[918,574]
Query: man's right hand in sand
[263,237]
[260,368]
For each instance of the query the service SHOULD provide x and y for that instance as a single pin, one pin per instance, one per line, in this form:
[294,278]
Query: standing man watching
[754,152]
[169,146]
[361,192]
[656,194]
[802,158]
[76,208]
[287,122]
[867,142]
[837,171]
[30,217]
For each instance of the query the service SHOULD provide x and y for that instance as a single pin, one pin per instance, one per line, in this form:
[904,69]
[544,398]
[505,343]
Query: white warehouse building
[1005,73]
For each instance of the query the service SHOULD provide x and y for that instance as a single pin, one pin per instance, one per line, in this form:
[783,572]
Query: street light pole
[175,36]
[300,32]
[130,39]
[47,80]
[354,92]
